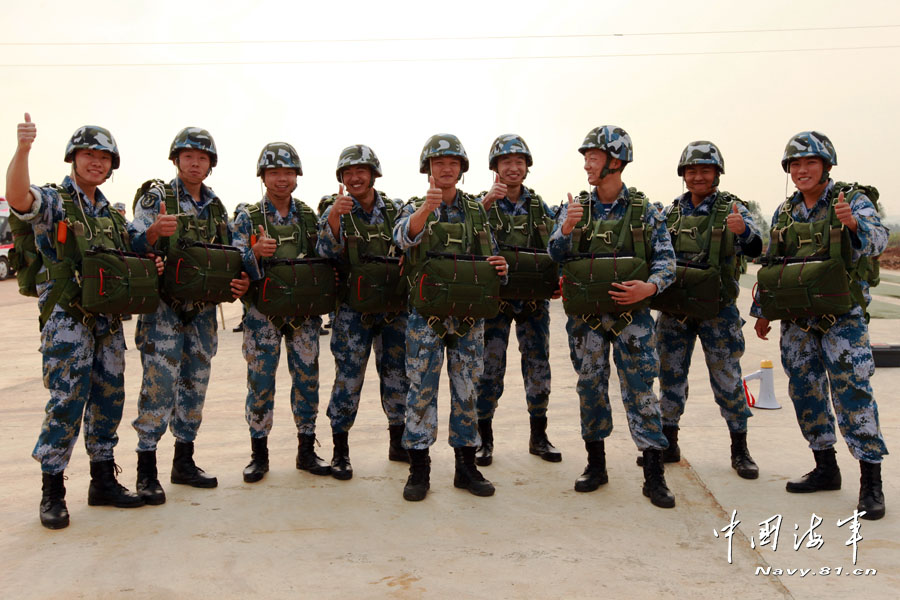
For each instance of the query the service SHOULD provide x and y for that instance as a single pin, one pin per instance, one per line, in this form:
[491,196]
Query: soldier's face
[700,179]
[594,161]
[280,183]
[512,169]
[446,171]
[806,172]
[193,166]
[357,179]
[92,166]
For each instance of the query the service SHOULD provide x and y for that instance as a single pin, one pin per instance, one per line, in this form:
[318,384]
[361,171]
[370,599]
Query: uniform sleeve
[243,229]
[401,229]
[560,245]
[327,246]
[46,210]
[748,243]
[145,211]
[662,262]
[871,237]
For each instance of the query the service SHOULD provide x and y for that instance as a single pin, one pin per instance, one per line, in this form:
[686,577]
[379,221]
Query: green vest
[523,241]
[296,284]
[373,281]
[96,272]
[200,264]
[449,272]
[807,271]
[704,282]
[604,252]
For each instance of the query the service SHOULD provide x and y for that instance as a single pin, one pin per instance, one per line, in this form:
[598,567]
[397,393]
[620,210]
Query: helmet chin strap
[826,174]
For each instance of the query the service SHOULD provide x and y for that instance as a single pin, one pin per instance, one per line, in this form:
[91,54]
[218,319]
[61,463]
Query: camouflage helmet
[194,138]
[91,137]
[277,155]
[701,152]
[809,143]
[506,144]
[610,139]
[443,144]
[358,154]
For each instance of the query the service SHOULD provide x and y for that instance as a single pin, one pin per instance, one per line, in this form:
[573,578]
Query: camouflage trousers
[841,359]
[353,335]
[176,358]
[723,346]
[262,351]
[533,333]
[424,359]
[634,353]
[86,380]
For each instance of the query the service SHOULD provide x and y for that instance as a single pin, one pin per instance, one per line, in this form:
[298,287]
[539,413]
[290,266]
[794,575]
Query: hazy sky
[389,74]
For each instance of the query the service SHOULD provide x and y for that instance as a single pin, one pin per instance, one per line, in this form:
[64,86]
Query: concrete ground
[299,535]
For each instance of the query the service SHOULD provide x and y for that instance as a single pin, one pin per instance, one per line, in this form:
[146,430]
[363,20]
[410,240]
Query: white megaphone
[766,387]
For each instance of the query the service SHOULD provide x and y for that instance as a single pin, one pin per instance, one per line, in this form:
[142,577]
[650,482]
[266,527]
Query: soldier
[83,353]
[448,222]
[697,306]
[616,255]
[519,220]
[279,227]
[178,341]
[824,346]
[355,230]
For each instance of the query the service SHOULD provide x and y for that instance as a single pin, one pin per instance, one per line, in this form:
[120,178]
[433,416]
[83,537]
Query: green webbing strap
[717,228]
[387,228]
[586,216]
[536,224]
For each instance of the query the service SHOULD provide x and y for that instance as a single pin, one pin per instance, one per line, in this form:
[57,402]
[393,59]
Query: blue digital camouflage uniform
[82,367]
[425,357]
[262,345]
[353,335]
[634,350]
[840,358]
[721,338]
[533,333]
[176,356]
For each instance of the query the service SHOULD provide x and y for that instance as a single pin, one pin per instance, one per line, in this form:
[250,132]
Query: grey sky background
[744,75]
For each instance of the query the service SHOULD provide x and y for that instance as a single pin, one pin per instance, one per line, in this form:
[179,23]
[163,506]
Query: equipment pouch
[376,285]
[296,287]
[198,272]
[587,280]
[118,282]
[791,288]
[457,285]
[694,293]
[533,275]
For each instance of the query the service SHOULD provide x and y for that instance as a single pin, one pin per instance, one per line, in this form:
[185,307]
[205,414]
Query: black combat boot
[467,476]
[741,461]
[672,454]
[595,472]
[485,453]
[184,471]
[655,480]
[538,444]
[419,480]
[396,451]
[54,514]
[826,475]
[106,491]
[259,460]
[148,486]
[340,462]
[871,497]
[307,460]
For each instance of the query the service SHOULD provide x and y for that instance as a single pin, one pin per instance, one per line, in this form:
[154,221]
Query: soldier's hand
[499,264]
[160,265]
[630,292]
[433,197]
[240,286]
[498,191]
[164,225]
[25,133]
[735,221]
[342,203]
[762,328]
[844,214]
[574,212]
[264,246]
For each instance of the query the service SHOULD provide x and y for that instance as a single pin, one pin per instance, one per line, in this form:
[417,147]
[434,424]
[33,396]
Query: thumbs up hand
[264,246]
[25,133]
[433,197]
[497,192]
[735,221]
[574,212]
[165,225]
[844,213]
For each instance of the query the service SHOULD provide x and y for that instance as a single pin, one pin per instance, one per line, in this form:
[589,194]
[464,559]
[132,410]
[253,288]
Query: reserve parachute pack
[199,262]
[295,284]
[704,280]
[808,270]
[605,252]
[96,272]
[523,241]
[373,282]
[449,272]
